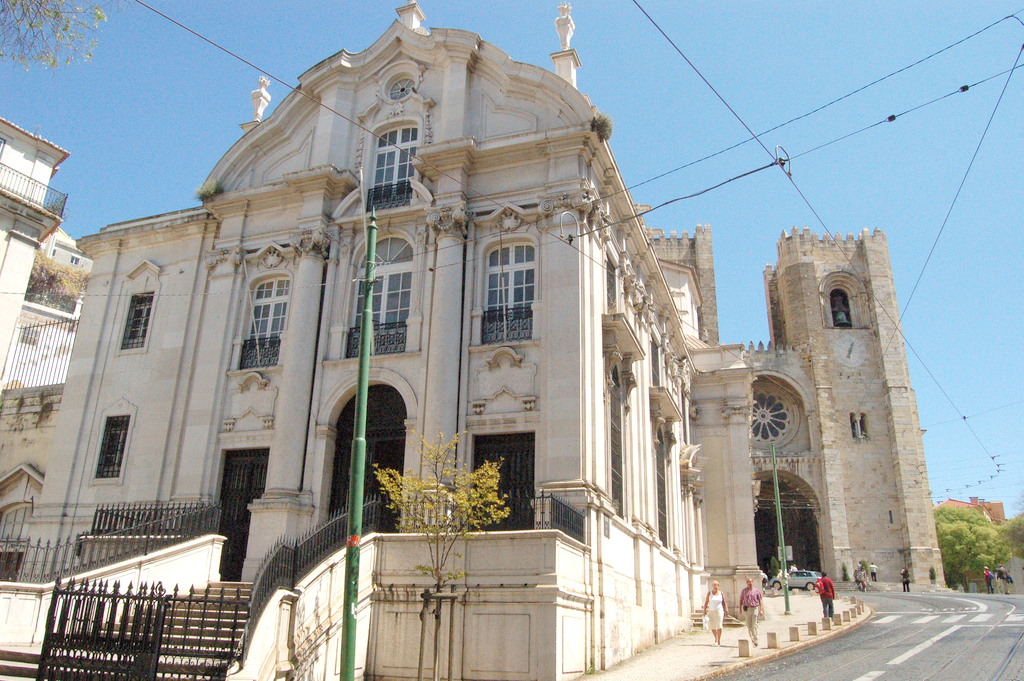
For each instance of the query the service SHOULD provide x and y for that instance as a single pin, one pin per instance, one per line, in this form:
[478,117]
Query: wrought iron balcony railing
[260,352]
[33,191]
[388,339]
[504,325]
[389,196]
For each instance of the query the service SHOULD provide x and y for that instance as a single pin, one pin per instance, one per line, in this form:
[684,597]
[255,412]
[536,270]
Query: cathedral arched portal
[385,447]
[800,513]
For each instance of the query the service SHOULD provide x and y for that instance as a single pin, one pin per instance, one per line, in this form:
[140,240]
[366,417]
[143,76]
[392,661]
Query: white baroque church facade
[520,301]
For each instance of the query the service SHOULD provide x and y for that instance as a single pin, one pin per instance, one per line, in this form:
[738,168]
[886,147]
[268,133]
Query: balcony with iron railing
[506,325]
[35,192]
[260,352]
[386,196]
[388,339]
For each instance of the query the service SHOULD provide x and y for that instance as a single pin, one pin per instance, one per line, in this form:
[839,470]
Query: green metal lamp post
[782,537]
[357,469]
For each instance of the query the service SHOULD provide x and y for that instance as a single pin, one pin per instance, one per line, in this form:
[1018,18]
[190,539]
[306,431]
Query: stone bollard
[744,648]
[837,620]
[846,616]
[794,633]
[812,628]
[773,639]
[826,624]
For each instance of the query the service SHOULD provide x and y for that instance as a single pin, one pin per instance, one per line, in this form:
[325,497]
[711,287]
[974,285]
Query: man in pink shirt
[751,606]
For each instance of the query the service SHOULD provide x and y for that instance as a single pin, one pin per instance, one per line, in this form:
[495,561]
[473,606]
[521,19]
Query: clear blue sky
[146,120]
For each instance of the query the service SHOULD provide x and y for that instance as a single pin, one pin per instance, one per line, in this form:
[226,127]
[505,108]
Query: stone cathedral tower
[832,393]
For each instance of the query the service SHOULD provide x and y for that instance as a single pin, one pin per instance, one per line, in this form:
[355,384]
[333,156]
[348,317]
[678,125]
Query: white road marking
[981,606]
[870,676]
[981,618]
[953,618]
[887,619]
[923,646]
[926,620]
[1015,618]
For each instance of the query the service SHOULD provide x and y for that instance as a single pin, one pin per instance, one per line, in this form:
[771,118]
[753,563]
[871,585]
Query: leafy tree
[445,504]
[48,32]
[54,278]
[1013,533]
[969,541]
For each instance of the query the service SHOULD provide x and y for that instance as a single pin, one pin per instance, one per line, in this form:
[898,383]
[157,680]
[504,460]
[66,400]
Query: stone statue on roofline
[564,25]
[260,99]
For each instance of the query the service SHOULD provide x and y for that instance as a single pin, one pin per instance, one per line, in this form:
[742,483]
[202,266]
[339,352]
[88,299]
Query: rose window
[771,419]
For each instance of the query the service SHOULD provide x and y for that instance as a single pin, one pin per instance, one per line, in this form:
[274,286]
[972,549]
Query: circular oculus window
[400,88]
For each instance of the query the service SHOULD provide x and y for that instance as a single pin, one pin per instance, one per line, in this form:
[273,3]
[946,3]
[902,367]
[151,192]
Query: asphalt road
[915,637]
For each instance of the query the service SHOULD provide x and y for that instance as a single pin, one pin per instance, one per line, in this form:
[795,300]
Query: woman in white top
[716,609]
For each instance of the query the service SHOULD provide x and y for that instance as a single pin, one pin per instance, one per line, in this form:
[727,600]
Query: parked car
[798,579]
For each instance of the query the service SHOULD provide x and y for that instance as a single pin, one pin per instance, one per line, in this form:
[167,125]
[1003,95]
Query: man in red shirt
[751,606]
[827,590]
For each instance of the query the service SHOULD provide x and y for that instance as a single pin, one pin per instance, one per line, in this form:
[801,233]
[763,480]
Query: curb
[792,648]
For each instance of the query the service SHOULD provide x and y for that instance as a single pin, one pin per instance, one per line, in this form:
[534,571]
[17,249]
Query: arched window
[269,314]
[393,169]
[511,281]
[839,303]
[392,298]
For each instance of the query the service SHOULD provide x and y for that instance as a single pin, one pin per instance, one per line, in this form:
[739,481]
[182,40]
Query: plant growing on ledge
[209,189]
[602,125]
[445,504]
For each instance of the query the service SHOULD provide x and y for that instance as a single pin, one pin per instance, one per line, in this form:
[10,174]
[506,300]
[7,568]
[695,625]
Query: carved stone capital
[314,242]
[580,202]
[448,221]
[232,255]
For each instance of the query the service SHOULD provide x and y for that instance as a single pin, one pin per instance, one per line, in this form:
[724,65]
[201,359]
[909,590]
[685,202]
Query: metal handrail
[33,191]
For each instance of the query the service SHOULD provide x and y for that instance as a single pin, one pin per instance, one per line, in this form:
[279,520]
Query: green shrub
[602,125]
[209,189]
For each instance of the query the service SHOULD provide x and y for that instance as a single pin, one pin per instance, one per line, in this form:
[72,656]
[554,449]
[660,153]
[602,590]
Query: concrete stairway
[202,630]
[19,663]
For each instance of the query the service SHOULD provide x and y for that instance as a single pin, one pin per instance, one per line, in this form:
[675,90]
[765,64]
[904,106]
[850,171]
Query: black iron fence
[260,352]
[553,513]
[33,191]
[24,560]
[95,632]
[389,196]
[507,324]
[388,339]
[40,354]
[292,559]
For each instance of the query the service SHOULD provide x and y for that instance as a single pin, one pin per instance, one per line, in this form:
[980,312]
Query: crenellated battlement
[770,349]
[804,239]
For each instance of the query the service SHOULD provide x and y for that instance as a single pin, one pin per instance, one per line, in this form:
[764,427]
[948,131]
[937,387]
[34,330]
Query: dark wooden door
[515,451]
[245,478]
[385,447]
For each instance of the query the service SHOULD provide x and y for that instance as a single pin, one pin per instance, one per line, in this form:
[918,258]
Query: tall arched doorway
[385,447]
[799,521]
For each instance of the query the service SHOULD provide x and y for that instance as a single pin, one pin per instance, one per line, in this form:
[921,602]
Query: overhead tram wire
[789,175]
[945,221]
[825,106]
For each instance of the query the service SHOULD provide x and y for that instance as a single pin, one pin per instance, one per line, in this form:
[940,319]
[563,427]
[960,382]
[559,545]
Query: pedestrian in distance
[716,610]
[988,581]
[874,572]
[827,591]
[860,576]
[752,607]
[1003,575]
[906,580]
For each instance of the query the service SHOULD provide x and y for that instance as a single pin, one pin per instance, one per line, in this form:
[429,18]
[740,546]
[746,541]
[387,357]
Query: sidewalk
[690,655]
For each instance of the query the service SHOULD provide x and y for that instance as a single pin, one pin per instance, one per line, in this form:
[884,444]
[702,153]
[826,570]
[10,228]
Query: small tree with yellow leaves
[445,503]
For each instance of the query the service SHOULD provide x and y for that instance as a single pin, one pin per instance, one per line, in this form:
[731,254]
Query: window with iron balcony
[393,170]
[511,283]
[392,298]
[269,312]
